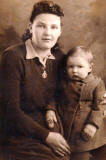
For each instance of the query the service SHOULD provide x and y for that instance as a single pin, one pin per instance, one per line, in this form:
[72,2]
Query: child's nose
[74,69]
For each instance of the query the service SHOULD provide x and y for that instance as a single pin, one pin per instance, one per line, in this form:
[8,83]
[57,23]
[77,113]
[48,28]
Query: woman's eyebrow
[42,22]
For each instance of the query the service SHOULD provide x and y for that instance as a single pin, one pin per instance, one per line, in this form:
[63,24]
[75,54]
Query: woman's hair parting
[40,7]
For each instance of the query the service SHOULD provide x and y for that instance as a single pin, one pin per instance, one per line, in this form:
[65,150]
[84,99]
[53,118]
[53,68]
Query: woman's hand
[57,142]
[51,118]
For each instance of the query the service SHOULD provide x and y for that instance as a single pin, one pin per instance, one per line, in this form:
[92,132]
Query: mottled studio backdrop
[84,24]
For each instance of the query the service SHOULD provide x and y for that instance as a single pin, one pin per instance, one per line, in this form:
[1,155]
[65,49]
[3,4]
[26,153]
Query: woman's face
[45,29]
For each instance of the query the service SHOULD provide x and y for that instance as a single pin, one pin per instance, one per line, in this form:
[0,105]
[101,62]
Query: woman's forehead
[48,18]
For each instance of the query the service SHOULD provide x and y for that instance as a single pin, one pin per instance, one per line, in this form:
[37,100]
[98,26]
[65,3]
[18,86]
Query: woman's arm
[12,74]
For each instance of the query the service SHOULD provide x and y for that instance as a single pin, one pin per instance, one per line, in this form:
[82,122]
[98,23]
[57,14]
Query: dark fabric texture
[81,156]
[24,96]
[99,153]
[28,149]
[78,104]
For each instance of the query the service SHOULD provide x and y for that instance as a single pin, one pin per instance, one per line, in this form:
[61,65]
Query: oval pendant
[44,74]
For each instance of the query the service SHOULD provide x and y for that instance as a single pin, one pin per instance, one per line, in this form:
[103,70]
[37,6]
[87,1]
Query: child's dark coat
[79,104]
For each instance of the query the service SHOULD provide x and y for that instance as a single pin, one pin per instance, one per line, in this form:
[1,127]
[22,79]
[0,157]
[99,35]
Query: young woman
[28,83]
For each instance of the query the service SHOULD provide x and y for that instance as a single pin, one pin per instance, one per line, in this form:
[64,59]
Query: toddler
[78,102]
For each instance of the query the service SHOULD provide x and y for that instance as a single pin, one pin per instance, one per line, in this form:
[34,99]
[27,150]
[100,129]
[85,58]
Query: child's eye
[70,66]
[80,66]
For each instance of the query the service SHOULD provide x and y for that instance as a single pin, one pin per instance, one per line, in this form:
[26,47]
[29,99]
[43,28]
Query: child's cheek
[69,74]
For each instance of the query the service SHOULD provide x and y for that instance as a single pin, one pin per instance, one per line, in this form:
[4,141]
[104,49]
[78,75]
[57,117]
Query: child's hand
[104,98]
[51,118]
[88,132]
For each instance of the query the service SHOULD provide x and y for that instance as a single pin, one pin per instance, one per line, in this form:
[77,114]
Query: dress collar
[31,53]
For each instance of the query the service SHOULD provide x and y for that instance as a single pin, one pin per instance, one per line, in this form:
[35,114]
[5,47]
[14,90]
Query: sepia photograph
[53,80]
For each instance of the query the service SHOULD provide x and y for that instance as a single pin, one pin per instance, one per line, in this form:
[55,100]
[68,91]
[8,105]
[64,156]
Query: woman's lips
[46,39]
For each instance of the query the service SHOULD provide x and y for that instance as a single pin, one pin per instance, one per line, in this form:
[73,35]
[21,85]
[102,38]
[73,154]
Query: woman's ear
[30,27]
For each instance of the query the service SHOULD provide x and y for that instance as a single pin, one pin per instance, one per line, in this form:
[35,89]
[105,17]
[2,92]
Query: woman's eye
[54,27]
[41,26]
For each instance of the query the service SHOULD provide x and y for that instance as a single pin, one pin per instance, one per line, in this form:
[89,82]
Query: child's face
[77,68]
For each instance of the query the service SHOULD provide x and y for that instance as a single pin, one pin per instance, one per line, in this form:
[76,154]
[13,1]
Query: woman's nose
[48,31]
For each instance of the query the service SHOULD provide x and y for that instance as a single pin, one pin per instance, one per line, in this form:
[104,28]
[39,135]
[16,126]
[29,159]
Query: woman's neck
[41,52]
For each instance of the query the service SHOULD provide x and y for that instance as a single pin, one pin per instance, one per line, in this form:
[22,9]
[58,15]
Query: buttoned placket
[32,54]
[43,62]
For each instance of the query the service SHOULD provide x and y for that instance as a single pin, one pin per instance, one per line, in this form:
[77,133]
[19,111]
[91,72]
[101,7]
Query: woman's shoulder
[15,51]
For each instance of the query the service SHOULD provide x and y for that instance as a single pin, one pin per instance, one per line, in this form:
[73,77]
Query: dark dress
[24,96]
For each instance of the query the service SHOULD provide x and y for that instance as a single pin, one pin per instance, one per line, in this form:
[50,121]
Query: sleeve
[12,72]
[52,104]
[55,100]
[96,116]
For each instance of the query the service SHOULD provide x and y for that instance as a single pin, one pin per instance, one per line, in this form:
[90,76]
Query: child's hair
[74,52]
[82,52]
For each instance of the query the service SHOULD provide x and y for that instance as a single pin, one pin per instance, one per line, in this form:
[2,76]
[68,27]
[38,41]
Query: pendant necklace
[43,61]
[44,74]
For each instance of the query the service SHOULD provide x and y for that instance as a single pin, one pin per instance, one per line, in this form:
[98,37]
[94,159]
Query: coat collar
[89,78]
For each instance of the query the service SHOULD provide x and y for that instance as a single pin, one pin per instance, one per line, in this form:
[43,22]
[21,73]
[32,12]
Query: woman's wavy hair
[43,7]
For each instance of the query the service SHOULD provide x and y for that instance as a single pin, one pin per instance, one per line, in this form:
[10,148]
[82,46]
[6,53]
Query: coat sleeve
[12,71]
[97,114]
